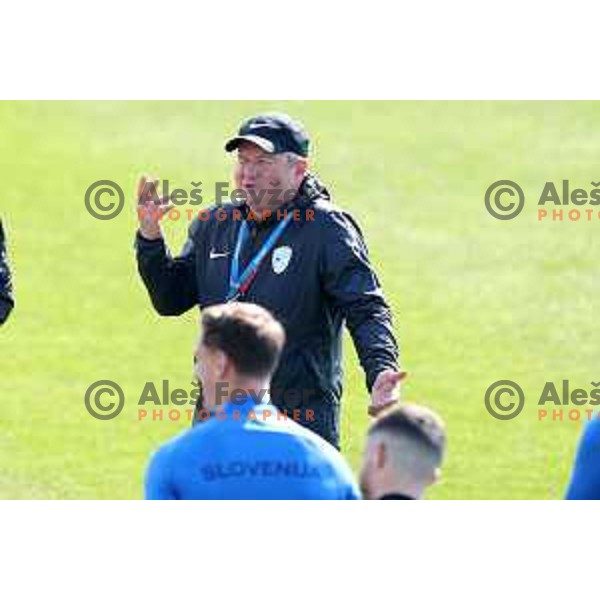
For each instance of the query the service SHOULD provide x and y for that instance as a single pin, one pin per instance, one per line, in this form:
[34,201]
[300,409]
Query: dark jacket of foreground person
[7,300]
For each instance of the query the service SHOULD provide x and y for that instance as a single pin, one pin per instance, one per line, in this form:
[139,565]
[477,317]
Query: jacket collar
[396,496]
[311,189]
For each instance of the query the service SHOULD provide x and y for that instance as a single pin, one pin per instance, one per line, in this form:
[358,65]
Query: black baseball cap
[274,133]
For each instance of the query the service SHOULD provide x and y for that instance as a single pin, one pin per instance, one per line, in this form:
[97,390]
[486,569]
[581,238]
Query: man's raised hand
[150,207]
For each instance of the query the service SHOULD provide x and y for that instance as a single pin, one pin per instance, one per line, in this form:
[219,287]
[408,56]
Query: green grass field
[475,299]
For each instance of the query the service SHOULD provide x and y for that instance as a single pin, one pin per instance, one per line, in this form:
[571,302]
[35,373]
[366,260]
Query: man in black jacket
[288,248]
[6,292]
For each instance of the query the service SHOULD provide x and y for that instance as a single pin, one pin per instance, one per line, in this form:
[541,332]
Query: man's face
[259,173]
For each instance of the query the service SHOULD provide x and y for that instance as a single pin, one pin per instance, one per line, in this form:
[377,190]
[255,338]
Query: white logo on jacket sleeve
[281,259]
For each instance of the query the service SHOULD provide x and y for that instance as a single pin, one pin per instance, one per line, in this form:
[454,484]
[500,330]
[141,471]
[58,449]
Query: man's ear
[436,476]
[300,169]
[381,456]
[222,365]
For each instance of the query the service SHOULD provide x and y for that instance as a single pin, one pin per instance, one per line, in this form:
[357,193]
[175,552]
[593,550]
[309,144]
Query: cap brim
[263,143]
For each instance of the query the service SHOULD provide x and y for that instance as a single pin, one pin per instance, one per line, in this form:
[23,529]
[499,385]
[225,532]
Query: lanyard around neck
[239,284]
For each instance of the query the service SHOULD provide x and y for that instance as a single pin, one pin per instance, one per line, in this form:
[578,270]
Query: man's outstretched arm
[352,283]
[171,282]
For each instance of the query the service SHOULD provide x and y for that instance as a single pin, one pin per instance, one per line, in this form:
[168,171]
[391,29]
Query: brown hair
[417,423]
[248,334]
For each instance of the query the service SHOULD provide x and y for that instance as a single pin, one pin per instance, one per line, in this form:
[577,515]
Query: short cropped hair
[416,423]
[248,334]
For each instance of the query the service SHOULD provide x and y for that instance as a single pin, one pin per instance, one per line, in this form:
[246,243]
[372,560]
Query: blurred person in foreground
[585,478]
[246,449]
[403,455]
[7,301]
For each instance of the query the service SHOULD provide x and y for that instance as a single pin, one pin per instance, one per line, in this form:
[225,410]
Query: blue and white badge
[281,259]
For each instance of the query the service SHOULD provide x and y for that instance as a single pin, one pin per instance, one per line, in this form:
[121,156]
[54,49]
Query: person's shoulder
[329,452]
[591,435]
[190,437]
[334,221]
[315,445]
[325,210]
[332,462]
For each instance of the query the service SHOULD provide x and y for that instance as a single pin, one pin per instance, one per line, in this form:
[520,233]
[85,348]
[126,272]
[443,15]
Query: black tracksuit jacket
[327,281]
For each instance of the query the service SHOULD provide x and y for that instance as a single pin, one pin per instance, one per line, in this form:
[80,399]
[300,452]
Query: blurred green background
[475,299]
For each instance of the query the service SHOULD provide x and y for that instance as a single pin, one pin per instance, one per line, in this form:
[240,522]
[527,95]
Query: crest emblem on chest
[281,259]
